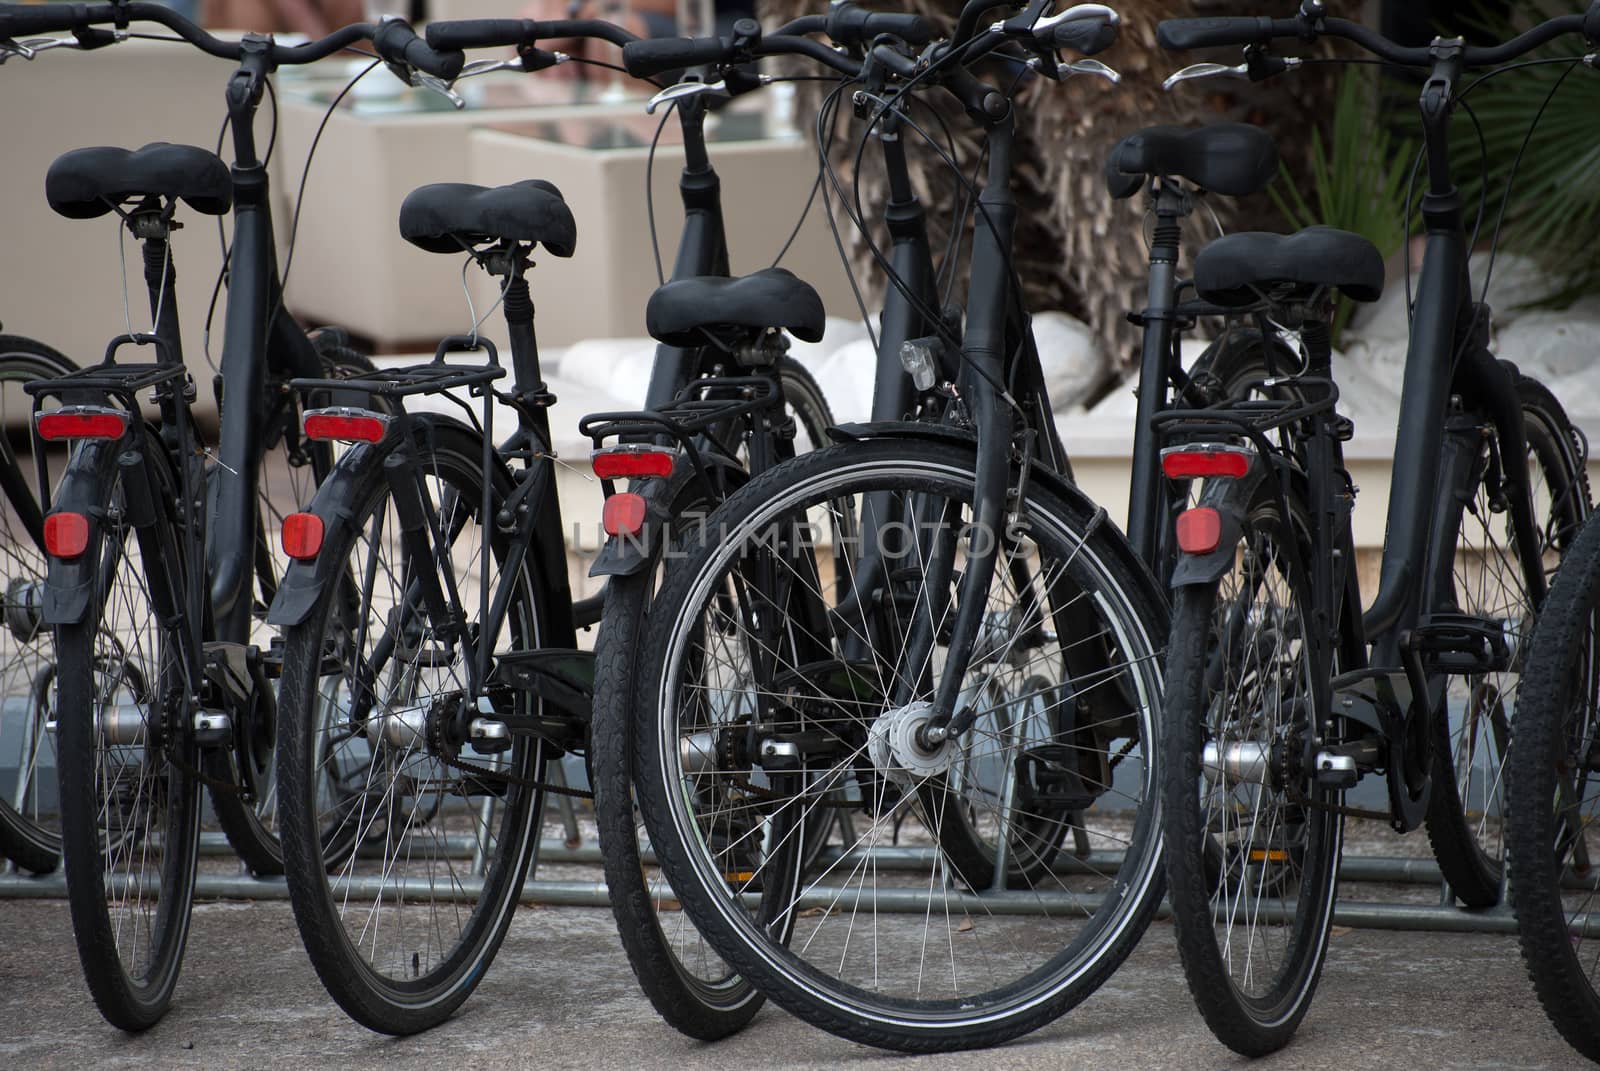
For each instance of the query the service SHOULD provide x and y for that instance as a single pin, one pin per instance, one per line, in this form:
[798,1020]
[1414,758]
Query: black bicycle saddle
[1238,269]
[86,183]
[447,217]
[772,297]
[1228,158]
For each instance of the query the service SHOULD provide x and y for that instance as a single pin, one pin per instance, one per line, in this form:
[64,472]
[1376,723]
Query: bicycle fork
[982,352]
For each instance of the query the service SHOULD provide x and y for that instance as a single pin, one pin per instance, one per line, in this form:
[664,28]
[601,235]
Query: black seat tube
[252,275]
[1440,317]
[540,530]
[702,246]
[1144,485]
[911,260]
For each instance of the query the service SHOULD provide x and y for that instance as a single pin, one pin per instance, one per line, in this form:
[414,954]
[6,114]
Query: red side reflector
[1199,530]
[66,535]
[81,424]
[1189,464]
[617,464]
[302,535]
[623,514]
[344,427]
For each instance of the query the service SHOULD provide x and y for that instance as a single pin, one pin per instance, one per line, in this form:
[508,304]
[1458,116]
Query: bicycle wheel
[405,843]
[130,808]
[1252,846]
[292,467]
[30,817]
[1553,799]
[688,984]
[1485,581]
[776,690]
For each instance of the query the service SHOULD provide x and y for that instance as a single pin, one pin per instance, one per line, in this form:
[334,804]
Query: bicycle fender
[70,583]
[631,555]
[337,500]
[1231,499]
[335,503]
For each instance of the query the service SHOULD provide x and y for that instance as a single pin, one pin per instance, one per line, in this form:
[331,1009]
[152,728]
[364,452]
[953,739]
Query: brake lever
[719,89]
[1090,66]
[1204,70]
[1217,70]
[31,47]
[1079,66]
[423,80]
[477,67]
[1071,14]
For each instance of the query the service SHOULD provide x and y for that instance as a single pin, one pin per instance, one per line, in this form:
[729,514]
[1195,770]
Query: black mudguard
[337,502]
[70,582]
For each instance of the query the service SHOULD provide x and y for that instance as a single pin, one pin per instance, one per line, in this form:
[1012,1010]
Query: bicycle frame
[1447,355]
[252,344]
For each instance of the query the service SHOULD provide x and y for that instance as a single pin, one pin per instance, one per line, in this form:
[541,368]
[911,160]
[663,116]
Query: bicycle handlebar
[1182,34]
[646,58]
[1084,36]
[516,33]
[394,39]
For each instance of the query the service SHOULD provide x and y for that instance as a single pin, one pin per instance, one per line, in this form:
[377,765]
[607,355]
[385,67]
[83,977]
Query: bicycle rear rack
[109,377]
[434,377]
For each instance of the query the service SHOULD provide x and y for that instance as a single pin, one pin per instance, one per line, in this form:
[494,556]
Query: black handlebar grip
[20,20]
[646,58]
[1183,34]
[1084,36]
[396,42]
[477,33]
[848,24]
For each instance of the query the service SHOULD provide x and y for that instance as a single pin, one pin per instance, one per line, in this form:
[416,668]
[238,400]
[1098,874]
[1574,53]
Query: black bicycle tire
[27,843]
[1039,1000]
[365,997]
[1563,639]
[689,1004]
[1473,874]
[1249,1026]
[124,1002]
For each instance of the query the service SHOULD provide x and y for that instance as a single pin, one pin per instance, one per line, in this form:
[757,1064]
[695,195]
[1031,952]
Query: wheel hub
[897,752]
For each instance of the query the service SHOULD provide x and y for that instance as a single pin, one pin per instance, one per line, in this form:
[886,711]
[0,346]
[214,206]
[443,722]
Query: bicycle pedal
[212,728]
[1464,644]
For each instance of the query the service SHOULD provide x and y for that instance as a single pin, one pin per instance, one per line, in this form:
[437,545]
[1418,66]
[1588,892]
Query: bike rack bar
[1364,914]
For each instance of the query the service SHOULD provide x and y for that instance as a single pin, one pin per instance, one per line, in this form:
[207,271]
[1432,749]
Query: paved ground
[561,996]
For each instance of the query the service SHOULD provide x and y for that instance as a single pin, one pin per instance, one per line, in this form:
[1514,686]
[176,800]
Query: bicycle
[1281,693]
[1550,798]
[414,648]
[30,825]
[155,562]
[969,678]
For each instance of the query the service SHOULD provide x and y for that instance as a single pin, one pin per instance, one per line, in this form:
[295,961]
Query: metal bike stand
[1442,917]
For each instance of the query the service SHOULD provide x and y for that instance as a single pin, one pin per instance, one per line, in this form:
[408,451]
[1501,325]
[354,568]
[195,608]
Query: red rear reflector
[81,424]
[302,535]
[1188,464]
[344,427]
[66,535]
[1199,530]
[616,464]
[623,514]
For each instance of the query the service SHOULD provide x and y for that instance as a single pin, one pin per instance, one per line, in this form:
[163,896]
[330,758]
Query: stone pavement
[560,995]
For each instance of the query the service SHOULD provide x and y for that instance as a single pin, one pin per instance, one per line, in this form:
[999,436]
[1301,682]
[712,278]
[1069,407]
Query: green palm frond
[1553,211]
[1358,177]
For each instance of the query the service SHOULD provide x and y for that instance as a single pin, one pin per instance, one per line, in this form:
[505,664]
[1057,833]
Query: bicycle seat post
[1171,204]
[511,261]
